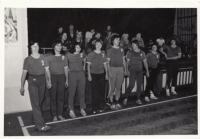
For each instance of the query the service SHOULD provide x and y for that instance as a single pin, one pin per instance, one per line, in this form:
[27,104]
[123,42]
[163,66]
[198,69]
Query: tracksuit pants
[36,88]
[57,92]
[135,75]
[77,82]
[172,72]
[151,81]
[98,91]
[116,82]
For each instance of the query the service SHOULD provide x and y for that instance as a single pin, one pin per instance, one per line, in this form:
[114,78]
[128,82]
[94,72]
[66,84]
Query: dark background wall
[43,23]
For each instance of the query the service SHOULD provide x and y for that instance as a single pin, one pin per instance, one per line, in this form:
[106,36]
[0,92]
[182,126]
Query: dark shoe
[45,128]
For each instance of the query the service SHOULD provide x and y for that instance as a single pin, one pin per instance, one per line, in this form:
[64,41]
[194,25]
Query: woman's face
[98,35]
[138,35]
[173,42]
[64,36]
[125,36]
[58,47]
[35,47]
[108,27]
[116,41]
[78,48]
[98,46]
[154,48]
[134,46]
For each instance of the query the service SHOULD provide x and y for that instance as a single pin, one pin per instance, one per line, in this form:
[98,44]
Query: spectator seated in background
[140,41]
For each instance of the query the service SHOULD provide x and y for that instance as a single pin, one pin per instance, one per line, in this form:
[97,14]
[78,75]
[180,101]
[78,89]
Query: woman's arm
[161,50]
[109,70]
[125,66]
[48,77]
[84,63]
[146,67]
[106,70]
[23,79]
[66,75]
[175,57]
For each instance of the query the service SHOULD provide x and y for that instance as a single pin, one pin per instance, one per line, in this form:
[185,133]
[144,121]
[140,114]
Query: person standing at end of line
[116,69]
[172,54]
[56,67]
[135,58]
[153,58]
[34,65]
[77,81]
[97,73]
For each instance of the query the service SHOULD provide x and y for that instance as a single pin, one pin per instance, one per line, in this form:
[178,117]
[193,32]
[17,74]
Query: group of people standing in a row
[58,71]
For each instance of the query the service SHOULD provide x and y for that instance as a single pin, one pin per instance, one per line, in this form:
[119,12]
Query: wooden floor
[175,115]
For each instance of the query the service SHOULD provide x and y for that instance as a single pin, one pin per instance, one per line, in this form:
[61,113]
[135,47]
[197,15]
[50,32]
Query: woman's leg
[61,94]
[94,92]
[112,83]
[101,90]
[131,82]
[119,81]
[174,75]
[34,98]
[72,89]
[53,93]
[81,88]
[139,78]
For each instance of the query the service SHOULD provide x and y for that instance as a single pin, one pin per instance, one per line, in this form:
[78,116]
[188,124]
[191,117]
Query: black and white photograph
[100,70]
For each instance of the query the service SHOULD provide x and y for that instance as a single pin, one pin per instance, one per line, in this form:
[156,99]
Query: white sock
[172,89]
[167,91]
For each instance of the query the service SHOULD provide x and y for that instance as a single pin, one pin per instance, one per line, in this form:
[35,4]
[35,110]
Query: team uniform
[116,55]
[77,79]
[172,65]
[36,87]
[152,61]
[56,65]
[97,61]
[136,71]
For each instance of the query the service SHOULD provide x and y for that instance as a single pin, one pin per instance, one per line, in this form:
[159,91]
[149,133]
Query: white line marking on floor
[20,121]
[115,111]
[25,131]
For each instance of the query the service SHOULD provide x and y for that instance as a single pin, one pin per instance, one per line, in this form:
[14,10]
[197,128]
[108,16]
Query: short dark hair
[73,49]
[54,44]
[135,41]
[114,37]
[32,42]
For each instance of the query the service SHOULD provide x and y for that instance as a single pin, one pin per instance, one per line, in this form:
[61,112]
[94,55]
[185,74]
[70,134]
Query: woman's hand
[110,76]
[22,91]
[89,78]
[147,74]
[106,76]
[49,84]
[166,56]
[66,84]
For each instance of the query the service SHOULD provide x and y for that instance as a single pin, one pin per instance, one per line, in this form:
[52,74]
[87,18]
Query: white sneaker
[174,93]
[153,97]
[55,119]
[61,118]
[118,106]
[125,102]
[146,99]
[167,94]
[72,114]
[139,102]
[113,107]
[83,112]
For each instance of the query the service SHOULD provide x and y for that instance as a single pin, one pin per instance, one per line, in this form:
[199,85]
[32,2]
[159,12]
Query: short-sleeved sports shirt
[153,59]
[116,56]
[97,61]
[171,52]
[75,61]
[136,59]
[56,64]
[34,66]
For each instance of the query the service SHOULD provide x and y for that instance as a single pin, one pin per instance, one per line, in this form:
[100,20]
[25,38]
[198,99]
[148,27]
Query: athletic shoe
[174,93]
[153,97]
[100,111]
[146,99]
[44,129]
[61,118]
[138,102]
[113,107]
[167,94]
[55,119]
[72,114]
[118,106]
[83,112]
[94,112]
[125,102]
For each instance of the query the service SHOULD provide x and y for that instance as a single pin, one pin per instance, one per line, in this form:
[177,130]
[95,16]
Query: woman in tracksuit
[135,59]
[172,54]
[77,79]
[116,70]
[97,73]
[56,67]
[153,58]
[34,65]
